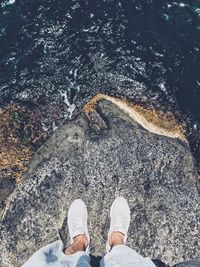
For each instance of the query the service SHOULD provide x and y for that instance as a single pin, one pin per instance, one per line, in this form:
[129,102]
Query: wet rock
[7,185]
[118,156]
[188,264]
[23,130]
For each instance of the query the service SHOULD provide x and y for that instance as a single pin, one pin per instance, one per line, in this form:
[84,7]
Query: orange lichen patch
[22,132]
[18,133]
[14,155]
[154,121]
[90,106]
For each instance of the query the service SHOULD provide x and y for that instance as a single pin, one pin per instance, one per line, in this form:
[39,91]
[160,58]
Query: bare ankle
[80,243]
[116,238]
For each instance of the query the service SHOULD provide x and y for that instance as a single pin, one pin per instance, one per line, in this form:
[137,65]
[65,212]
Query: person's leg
[122,255]
[118,254]
[75,255]
[52,255]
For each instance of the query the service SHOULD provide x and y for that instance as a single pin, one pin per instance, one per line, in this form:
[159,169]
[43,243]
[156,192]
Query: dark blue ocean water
[65,51]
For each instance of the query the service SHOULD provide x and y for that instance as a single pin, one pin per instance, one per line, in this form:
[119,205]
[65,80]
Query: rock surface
[98,156]
[188,264]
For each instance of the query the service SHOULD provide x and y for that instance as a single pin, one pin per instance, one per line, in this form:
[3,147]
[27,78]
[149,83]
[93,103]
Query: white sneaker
[77,221]
[120,219]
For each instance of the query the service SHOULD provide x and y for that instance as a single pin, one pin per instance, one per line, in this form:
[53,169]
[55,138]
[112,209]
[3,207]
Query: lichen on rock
[158,122]
[18,133]
[15,154]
